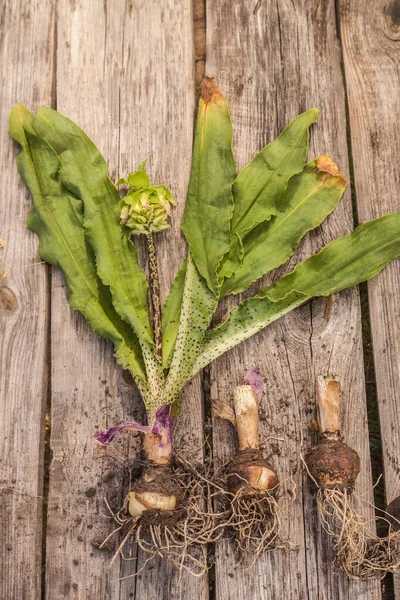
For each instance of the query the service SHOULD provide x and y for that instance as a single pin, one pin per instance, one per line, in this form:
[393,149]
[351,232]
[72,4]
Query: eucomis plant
[251,485]
[238,228]
[333,466]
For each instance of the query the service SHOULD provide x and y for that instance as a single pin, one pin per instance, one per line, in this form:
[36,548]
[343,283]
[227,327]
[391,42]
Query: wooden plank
[370,35]
[272,65]
[135,105]
[89,391]
[199,32]
[26,55]
[157,110]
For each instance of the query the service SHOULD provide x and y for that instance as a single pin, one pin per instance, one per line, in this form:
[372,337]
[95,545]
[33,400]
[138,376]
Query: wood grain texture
[273,65]
[89,391]
[199,32]
[126,72]
[131,68]
[23,309]
[370,35]
[156,122]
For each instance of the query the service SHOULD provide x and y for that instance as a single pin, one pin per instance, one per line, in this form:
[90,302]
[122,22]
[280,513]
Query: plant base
[180,535]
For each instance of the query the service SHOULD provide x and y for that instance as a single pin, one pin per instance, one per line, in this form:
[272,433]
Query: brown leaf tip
[208,89]
[326,165]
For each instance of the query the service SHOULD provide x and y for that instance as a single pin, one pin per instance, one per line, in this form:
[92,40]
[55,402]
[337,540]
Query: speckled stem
[155,295]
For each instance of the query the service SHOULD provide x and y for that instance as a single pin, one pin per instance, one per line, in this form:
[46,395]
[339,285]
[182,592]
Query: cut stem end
[328,401]
[245,403]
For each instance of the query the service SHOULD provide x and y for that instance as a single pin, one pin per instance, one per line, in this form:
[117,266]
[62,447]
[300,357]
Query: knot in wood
[392,20]
[8,301]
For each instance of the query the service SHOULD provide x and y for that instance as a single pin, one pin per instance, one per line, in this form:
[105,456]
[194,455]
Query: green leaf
[244,321]
[85,173]
[258,189]
[197,309]
[139,179]
[142,167]
[57,218]
[343,263]
[209,206]
[310,197]
[171,314]
[231,262]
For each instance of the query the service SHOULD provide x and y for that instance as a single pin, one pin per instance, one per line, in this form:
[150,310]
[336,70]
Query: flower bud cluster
[145,208]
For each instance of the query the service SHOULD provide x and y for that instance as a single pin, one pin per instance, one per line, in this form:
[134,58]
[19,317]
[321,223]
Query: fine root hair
[181,536]
[253,521]
[359,552]
[254,524]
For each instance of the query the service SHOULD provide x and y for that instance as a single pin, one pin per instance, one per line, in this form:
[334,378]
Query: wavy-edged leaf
[197,309]
[85,173]
[171,314]
[343,263]
[209,205]
[232,261]
[57,218]
[310,197]
[258,189]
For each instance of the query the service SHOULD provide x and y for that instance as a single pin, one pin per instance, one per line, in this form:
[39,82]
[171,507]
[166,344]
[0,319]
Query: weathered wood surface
[24,301]
[126,73]
[157,108]
[273,65]
[370,35]
[130,100]
[88,390]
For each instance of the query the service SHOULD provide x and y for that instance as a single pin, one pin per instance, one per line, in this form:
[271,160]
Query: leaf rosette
[239,227]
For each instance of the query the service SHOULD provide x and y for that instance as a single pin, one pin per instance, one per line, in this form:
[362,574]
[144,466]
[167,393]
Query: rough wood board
[157,107]
[199,33]
[88,389]
[370,35]
[134,104]
[23,310]
[271,66]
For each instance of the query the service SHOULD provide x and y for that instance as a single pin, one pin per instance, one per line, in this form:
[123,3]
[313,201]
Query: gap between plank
[199,37]
[47,454]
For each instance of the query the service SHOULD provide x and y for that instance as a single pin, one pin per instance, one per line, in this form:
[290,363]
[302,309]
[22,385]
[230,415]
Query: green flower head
[145,208]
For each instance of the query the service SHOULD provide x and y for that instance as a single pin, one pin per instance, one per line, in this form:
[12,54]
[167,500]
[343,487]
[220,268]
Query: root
[360,553]
[350,531]
[392,551]
[333,467]
[206,513]
[254,523]
[182,535]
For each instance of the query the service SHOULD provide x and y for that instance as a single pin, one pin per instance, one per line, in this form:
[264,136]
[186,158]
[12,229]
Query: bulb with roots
[157,489]
[164,509]
[252,485]
[333,467]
